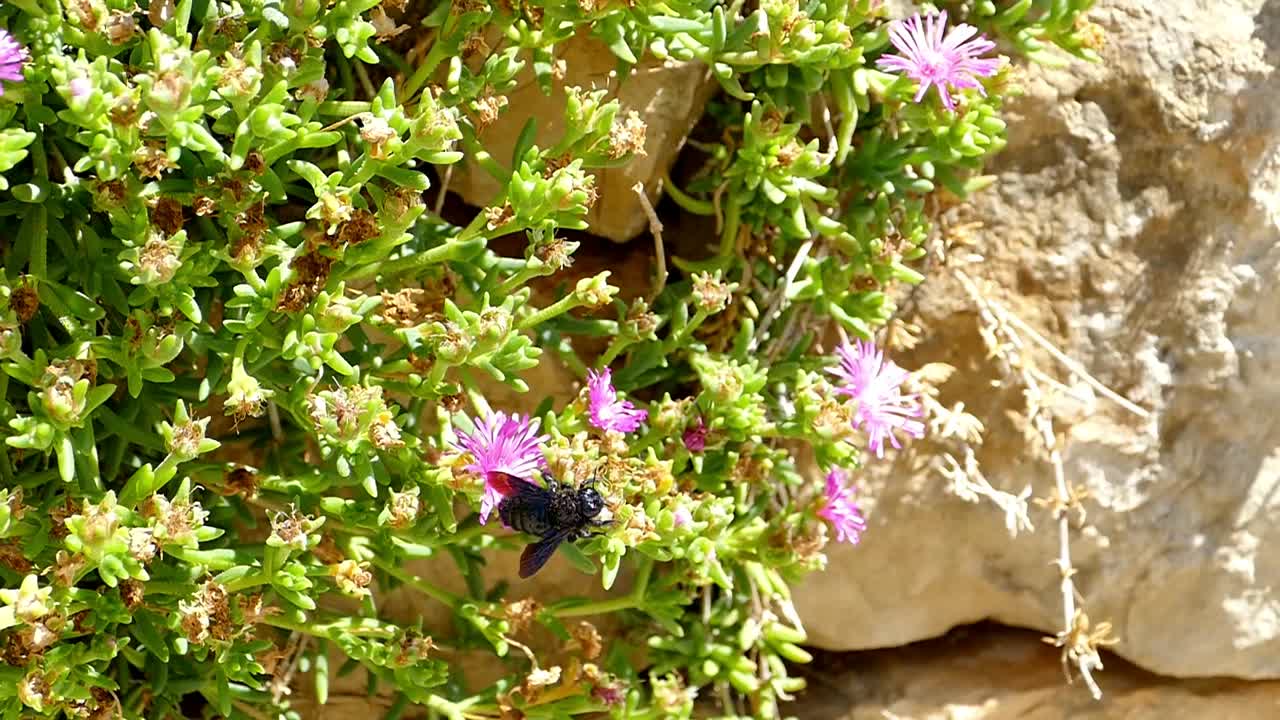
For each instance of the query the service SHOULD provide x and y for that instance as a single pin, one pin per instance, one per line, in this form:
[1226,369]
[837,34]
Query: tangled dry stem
[1003,333]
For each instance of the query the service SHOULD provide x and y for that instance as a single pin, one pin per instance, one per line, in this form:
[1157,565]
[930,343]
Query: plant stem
[630,601]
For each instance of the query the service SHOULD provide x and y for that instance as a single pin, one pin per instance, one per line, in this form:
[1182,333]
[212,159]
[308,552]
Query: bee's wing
[510,485]
[537,554]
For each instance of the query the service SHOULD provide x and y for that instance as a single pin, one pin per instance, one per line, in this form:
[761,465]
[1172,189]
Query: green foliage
[237,348]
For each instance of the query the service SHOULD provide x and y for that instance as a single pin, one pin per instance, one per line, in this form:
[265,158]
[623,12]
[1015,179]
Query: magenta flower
[695,438]
[931,57]
[607,411]
[504,444]
[875,383]
[12,57]
[841,511]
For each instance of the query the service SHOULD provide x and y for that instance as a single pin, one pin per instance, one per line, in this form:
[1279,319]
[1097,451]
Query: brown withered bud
[474,46]
[160,12]
[132,593]
[24,302]
[241,481]
[252,220]
[121,27]
[11,557]
[327,552]
[124,112]
[496,217]
[362,226]
[254,162]
[33,690]
[588,639]
[316,90]
[152,161]
[66,566]
[383,26]
[414,647]
[204,206]
[311,272]
[520,613]
[166,215]
[109,194]
[555,254]
[84,14]
[487,110]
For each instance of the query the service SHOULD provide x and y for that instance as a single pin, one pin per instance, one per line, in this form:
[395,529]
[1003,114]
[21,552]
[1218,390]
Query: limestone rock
[1003,674]
[1136,224]
[669,97]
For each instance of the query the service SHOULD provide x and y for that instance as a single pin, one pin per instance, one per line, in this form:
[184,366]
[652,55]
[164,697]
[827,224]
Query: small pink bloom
[841,511]
[607,411]
[932,56]
[695,438]
[875,383]
[80,88]
[12,57]
[682,517]
[504,444]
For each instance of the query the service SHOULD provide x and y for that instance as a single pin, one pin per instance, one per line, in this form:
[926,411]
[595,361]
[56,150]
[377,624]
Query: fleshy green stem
[630,601]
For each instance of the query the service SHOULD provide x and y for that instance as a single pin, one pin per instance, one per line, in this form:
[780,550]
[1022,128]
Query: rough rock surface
[669,97]
[1002,674]
[1136,223]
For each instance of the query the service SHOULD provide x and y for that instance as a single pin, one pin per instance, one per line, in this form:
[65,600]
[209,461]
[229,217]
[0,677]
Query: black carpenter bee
[554,514]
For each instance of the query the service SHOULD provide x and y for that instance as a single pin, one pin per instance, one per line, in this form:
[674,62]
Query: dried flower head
[606,410]
[502,443]
[711,293]
[352,577]
[627,136]
[934,57]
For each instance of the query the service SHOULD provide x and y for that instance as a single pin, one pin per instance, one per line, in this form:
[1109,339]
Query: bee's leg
[550,481]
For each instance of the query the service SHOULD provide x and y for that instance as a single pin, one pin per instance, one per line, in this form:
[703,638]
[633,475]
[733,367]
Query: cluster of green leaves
[236,347]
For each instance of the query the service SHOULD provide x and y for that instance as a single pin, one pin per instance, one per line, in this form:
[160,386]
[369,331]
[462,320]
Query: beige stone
[1136,223]
[1003,674]
[669,96]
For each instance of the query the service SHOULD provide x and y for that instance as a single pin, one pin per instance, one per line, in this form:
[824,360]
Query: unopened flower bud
[595,291]
[30,602]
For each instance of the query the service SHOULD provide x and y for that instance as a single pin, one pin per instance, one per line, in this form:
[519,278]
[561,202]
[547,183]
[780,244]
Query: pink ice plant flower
[841,510]
[875,383]
[502,443]
[934,57]
[695,438]
[12,57]
[607,411]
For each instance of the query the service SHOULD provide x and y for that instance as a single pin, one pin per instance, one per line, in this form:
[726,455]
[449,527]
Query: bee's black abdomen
[553,514]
